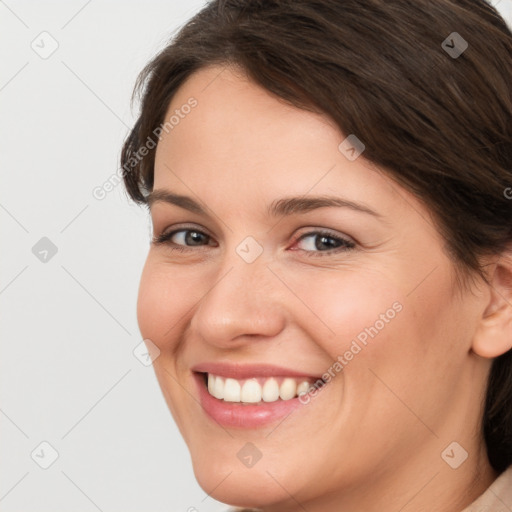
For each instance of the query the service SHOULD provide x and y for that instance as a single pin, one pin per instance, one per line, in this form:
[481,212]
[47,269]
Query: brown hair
[435,115]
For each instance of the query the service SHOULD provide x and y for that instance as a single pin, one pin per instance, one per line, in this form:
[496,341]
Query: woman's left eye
[321,242]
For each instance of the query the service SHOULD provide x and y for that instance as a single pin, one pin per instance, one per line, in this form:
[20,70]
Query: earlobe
[493,336]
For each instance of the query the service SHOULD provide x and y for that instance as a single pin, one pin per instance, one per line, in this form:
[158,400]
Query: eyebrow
[279,208]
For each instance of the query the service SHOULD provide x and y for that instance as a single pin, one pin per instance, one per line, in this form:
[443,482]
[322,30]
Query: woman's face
[285,259]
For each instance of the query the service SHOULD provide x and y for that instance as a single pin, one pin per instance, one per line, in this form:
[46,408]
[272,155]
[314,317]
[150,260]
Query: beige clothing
[497,497]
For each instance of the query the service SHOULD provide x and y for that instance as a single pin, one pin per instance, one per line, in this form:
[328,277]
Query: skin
[371,440]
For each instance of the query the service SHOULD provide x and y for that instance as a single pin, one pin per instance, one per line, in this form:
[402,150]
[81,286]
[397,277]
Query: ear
[493,336]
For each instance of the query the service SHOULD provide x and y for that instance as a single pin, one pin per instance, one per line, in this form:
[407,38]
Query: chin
[227,480]
[242,488]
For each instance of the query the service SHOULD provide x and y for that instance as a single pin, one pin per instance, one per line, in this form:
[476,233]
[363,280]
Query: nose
[243,303]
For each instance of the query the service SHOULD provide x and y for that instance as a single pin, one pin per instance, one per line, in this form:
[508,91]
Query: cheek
[407,343]
[370,320]
[166,295]
[345,306]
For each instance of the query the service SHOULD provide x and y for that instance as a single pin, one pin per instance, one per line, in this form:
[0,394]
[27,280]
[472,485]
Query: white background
[68,326]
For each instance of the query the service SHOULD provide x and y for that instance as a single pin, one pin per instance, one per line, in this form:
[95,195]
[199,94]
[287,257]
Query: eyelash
[346,245]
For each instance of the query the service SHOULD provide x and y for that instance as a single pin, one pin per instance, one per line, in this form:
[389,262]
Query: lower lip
[235,414]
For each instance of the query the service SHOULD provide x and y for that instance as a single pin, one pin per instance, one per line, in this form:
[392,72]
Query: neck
[427,483]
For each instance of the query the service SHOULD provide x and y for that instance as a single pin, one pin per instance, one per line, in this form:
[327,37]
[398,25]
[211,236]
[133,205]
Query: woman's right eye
[183,238]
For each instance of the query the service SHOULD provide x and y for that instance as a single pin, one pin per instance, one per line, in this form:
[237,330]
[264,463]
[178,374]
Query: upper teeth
[255,390]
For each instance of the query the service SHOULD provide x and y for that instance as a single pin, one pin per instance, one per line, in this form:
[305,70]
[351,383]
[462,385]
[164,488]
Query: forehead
[244,143]
[243,129]
[236,115]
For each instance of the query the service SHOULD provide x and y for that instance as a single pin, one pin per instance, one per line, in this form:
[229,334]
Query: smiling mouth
[258,390]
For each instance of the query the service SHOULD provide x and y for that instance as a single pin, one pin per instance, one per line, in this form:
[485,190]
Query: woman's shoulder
[498,493]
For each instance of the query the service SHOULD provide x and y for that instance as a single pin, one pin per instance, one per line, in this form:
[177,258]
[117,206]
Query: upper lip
[246,371]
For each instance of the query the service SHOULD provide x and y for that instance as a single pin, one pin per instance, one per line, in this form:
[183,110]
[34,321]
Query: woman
[329,284]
